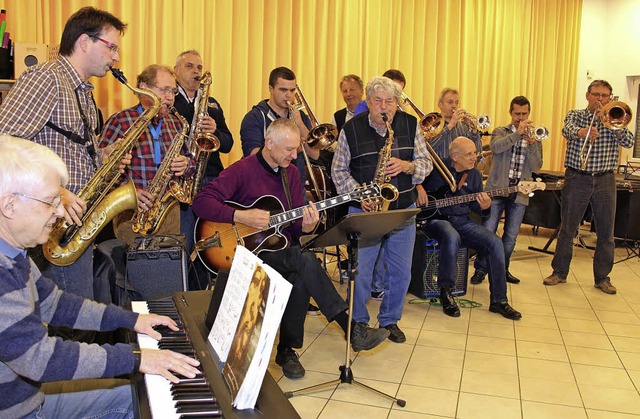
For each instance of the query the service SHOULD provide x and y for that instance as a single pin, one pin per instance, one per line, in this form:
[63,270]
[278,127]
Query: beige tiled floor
[574,354]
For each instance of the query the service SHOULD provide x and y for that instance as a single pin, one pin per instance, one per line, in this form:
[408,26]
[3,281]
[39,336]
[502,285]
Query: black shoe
[287,358]
[512,279]
[364,338]
[449,305]
[506,310]
[313,310]
[395,334]
[477,277]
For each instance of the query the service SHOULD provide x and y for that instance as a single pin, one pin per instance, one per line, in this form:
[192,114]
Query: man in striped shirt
[32,178]
[593,184]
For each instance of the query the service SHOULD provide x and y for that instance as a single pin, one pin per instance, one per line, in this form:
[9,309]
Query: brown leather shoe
[554,279]
[606,287]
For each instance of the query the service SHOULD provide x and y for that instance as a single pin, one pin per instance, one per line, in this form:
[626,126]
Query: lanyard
[155,134]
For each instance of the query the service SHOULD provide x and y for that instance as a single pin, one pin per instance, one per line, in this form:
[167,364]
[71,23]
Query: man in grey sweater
[515,154]
[31,181]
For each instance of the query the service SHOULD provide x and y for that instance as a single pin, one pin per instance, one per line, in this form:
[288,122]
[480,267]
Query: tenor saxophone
[68,242]
[148,221]
[201,145]
[388,192]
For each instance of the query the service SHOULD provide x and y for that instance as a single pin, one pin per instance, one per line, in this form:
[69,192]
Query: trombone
[615,115]
[431,125]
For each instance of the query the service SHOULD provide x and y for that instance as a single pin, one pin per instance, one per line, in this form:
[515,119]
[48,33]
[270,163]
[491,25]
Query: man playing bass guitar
[454,228]
[270,172]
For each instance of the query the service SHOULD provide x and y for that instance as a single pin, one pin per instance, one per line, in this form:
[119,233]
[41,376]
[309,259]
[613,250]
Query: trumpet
[476,123]
[538,133]
[615,115]
[431,125]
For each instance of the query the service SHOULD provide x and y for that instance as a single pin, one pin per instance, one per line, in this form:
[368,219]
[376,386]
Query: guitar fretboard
[461,199]
[296,213]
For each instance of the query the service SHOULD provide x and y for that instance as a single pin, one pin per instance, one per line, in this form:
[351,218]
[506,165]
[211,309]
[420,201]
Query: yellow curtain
[491,50]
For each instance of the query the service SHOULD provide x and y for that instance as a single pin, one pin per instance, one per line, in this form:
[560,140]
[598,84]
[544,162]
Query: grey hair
[444,92]
[384,84]
[183,53]
[280,125]
[23,164]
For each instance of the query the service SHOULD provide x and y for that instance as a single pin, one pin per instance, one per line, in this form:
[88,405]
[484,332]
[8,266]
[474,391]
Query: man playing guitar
[269,172]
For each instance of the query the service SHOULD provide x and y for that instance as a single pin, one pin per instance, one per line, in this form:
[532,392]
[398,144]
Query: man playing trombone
[516,153]
[589,178]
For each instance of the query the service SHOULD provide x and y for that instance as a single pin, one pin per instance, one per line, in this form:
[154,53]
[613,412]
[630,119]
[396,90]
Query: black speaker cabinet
[157,266]
[424,269]
[627,210]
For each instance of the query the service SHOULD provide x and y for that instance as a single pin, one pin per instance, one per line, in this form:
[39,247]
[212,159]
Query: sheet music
[226,323]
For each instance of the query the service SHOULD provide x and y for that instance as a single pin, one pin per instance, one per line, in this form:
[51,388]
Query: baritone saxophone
[68,242]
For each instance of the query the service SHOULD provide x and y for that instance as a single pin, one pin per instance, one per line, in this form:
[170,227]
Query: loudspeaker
[26,55]
[424,269]
[627,209]
[157,266]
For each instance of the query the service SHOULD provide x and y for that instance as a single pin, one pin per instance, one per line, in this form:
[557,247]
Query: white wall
[610,49]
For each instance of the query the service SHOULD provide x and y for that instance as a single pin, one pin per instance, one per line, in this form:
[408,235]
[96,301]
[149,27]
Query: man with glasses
[52,104]
[153,144]
[354,163]
[31,178]
[594,184]
[454,229]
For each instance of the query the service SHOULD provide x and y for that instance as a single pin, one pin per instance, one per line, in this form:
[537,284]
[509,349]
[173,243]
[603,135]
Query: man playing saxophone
[355,161]
[153,145]
[189,71]
[52,104]
[590,181]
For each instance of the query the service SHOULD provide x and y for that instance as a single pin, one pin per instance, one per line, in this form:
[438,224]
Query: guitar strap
[463,179]
[285,185]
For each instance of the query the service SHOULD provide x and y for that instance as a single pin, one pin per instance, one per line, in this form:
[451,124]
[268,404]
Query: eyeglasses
[601,95]
[167,90]
[113,47]
[53,204]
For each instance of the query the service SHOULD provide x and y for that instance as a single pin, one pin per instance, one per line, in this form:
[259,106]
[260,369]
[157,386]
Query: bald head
[463,154]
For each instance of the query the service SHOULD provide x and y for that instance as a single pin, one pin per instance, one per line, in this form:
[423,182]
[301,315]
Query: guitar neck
[294,214]
[461,199]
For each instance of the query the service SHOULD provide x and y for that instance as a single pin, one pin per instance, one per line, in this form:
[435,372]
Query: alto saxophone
[201,145]
[388,192]
[68,242]
[148,221]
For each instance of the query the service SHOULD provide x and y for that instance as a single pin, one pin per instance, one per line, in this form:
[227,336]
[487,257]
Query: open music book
[247,323]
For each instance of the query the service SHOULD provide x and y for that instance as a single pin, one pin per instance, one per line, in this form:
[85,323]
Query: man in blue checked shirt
[594,184]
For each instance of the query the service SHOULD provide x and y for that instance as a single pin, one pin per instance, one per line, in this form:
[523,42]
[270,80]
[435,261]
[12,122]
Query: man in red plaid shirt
[153,144]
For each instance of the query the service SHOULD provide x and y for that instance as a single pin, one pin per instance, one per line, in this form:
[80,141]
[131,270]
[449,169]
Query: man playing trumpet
[457,124]
[590,180]
[516,153]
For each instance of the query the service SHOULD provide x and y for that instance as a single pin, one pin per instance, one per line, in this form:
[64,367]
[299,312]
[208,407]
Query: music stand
[366,226]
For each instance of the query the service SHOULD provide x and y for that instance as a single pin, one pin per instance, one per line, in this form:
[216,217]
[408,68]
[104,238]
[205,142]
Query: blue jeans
[579,190]
[461,231]
[398,250]
[113,403]
[198,274]
[513,215]
[378,273]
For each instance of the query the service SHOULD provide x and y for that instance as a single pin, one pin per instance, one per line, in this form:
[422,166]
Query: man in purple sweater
[266,173]
[31,181]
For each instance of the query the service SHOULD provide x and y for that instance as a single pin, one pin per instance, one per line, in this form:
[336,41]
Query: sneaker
[377,295]
[287,358]
[395,334]
[606,287]
[477,277]
[364,338]
[554,279]
[313,310]
[505,310]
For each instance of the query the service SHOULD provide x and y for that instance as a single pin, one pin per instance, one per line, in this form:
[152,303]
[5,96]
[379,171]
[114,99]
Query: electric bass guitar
[216,242]
[432,209]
